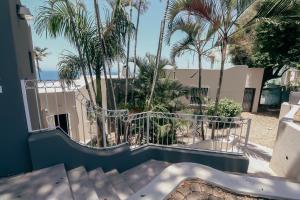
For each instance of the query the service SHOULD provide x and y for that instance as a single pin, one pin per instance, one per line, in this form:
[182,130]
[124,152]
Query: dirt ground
[263,128]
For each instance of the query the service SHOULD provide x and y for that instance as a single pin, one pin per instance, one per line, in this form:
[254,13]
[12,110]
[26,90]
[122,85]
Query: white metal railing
[52,104]
[189,131]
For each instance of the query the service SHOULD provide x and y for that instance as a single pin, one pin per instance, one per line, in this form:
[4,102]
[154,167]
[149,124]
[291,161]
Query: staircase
[79,184]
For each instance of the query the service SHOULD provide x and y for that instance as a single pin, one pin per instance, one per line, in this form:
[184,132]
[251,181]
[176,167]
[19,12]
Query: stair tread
[121,187]
[102,185]
[81,186]
[47,183]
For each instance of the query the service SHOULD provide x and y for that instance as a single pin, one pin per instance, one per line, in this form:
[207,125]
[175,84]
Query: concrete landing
[45,184]
[141,175]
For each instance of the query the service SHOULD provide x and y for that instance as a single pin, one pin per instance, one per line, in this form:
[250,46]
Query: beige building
[240,83]
[68,107]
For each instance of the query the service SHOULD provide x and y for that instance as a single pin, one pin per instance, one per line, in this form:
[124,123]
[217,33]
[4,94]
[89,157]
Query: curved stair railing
[54,105]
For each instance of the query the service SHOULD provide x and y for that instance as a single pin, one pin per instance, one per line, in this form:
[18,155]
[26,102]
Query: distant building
[240,83]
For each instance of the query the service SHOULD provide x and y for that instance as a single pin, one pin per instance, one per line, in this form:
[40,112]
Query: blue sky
[147,38]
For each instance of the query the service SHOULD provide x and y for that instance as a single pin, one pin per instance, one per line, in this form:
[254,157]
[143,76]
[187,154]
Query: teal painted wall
[14,152]
[53,147]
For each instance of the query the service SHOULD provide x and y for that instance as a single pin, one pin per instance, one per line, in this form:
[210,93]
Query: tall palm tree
[63,18]
[167,90]
[223,18]
[103,52]
[39,55]
[195,41]
[158,56]
[127,57]
[142,8]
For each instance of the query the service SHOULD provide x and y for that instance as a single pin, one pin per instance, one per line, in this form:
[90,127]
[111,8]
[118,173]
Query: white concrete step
[45,184]
[141,175]
[102,185]
[81,186]
[121,187]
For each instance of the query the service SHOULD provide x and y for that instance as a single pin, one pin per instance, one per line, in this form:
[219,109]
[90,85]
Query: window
[196,93]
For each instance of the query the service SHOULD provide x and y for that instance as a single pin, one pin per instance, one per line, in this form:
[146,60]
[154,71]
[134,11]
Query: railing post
[195,129]
[25,101]
[148,126]
[248,131]
[104,128]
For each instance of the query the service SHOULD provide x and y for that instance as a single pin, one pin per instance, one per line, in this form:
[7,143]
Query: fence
[52,104]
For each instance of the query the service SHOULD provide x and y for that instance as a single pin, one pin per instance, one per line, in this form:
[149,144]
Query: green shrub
[226,108]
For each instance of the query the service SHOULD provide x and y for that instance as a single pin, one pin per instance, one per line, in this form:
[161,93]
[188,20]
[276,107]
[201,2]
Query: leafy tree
[277,47]
[223,17]
[272,44]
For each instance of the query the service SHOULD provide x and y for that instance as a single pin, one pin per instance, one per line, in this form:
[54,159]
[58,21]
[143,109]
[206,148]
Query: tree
[142,8]
[195,41]
[158,56]
[223,17]
[168,91]
[63,18]
[90,42]
[277,47]
[273,44]
[39,55]
[128,52]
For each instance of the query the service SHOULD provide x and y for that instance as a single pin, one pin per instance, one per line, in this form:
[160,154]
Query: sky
[147,38]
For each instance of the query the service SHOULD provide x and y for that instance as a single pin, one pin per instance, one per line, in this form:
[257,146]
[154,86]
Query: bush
[226,108]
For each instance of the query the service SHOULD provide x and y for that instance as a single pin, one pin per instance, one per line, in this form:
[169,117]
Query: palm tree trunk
[70,12]
[158,56]
[127,57]
[135,47]
[102,44]
[91,76]
[200,89]
[38,68]
[223,59]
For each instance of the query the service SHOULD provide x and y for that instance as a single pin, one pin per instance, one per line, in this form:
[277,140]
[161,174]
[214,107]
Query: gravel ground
[199,190]
[263,128]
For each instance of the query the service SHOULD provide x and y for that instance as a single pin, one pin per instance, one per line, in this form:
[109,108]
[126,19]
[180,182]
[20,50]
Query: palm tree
[142,8]
[89,40]
[158,56]
[223,18]
[63,18]
[127,57]
[195,42]
[39,55]
[167,90]
[103,52]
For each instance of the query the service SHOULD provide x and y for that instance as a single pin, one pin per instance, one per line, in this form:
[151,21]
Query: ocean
[53,75]
[49,75]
